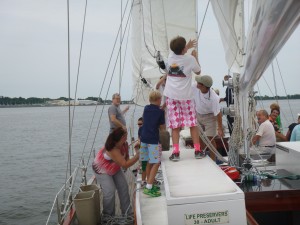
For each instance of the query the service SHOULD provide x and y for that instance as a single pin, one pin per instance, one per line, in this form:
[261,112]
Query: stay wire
[276,93]
[76,87]
[260,98]
[275,86]
[284,88]
[79,64]
[125,53]
[268,86]
[147,47]
[203,20]
[101,89]
[109,85]
[69,108]
[152,26]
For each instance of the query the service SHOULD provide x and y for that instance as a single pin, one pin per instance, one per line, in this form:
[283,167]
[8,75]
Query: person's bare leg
[202,144]
[195,137]
[148,171]
[153,171]
[175,135]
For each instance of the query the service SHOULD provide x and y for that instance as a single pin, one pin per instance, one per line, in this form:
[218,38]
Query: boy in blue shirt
[150,150]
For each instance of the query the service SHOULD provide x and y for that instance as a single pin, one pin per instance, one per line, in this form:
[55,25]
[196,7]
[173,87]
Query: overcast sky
[33,50]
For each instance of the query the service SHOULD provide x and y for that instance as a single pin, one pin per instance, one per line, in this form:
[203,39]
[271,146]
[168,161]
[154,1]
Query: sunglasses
[140,124]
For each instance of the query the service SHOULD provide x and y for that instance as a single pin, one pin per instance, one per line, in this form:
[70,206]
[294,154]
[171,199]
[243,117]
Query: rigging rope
[144,36]
[76,172]
[276,94]
[284,88]
[268,86]
[275,86]
[108,86]
[208,143]
[121,24]
[69,166]
[122,73]
[203,20]
[237,136]
[152,27]
[85,144]
[260,98]
[76,86]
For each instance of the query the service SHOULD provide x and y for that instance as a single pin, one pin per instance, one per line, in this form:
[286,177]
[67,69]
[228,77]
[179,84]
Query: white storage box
[199,192]
[288,156]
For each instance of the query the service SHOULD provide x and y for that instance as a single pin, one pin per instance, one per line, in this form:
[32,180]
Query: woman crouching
[107,167]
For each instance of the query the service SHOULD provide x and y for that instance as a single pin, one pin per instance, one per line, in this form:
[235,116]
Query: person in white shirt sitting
[264,138]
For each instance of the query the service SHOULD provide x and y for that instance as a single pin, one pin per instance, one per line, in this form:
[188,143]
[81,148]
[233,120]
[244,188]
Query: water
[34,146]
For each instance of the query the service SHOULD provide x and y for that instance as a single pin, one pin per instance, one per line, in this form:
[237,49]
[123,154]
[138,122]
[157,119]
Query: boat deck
[151,210]
[183,183]
[277,201]
[191,187]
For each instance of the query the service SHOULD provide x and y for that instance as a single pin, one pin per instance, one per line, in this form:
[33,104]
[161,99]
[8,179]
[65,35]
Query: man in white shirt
[208,109]
[265,137]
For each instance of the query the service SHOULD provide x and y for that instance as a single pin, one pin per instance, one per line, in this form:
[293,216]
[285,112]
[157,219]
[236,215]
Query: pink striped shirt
[104,166]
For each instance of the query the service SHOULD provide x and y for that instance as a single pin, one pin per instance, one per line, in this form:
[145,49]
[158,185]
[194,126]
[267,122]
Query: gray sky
[33,50]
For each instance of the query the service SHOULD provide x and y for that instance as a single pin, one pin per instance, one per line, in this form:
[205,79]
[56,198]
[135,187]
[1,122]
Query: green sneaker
[155,187]
[151,192]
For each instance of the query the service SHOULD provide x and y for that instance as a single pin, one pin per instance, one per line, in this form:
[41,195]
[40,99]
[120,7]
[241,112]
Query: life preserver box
[232,172]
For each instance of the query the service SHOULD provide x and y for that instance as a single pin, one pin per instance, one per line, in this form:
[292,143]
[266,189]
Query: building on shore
[72,102]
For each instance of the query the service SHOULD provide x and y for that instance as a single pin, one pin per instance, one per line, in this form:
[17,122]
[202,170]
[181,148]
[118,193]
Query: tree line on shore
[266,97]
[43,101]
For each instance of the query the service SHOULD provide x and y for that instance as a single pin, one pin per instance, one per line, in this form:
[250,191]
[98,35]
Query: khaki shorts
[208,122]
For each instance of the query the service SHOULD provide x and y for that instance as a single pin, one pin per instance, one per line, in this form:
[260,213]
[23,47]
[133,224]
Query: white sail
[272,23]
[229,15]
[154,24]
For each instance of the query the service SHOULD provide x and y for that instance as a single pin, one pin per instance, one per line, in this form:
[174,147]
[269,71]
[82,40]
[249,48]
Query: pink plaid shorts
[181,113]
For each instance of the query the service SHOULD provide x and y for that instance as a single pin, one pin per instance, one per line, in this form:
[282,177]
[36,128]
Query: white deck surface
[151,211]
[195,177]
[198,180]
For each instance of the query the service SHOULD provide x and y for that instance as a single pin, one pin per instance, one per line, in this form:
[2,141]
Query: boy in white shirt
[180,104]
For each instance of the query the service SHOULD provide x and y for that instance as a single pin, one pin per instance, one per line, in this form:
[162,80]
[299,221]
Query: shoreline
[41,105]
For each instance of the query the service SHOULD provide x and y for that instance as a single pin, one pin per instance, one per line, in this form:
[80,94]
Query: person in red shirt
[107,168]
